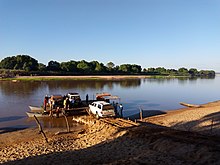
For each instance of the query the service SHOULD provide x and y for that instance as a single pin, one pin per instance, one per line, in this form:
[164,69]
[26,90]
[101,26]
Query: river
[147,93]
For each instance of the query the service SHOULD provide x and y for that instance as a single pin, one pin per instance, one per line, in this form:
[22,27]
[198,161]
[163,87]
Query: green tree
[130,68]
[8,63]
[100,68]
[53,66]
[116,69]
[126,68]
[42,67]
[161,70]
[183,71]
[20,62]
[110,66]
[150,71]
[93,65]
[97,67]
[83,66]
[172,72]
[136,68]
[193,72]
[70,66]
[207,73]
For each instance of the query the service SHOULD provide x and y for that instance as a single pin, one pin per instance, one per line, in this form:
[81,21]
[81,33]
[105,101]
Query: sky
[150,33]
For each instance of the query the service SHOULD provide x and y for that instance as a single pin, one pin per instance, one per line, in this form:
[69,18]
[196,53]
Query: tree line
[192,72]
[26,65]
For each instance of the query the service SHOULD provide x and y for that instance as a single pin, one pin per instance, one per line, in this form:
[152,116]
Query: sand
[88,77]
[184,136]
[205,119]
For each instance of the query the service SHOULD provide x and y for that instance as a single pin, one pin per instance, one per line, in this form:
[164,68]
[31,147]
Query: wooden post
[141,114]
[40,128]
[212,124]
[67,123]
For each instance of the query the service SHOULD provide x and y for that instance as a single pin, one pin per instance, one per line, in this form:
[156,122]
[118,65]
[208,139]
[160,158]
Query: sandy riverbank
[151,142]
[205,120]
[107,77]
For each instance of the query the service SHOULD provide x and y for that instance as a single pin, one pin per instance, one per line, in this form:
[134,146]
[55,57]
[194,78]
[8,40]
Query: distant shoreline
[87,77]
[42,78]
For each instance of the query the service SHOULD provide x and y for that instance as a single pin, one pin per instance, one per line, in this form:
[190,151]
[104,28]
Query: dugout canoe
[36,108]
[190,105]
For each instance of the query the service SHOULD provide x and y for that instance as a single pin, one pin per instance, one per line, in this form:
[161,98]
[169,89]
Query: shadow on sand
[146,144]
[140,145]
[209,124]
[10,129]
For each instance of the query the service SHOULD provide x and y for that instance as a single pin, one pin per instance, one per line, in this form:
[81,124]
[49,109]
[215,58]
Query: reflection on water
[26,88]
[20,89]
[54,122]
[149,94]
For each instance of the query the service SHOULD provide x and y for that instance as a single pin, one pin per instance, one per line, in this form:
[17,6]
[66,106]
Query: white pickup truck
[101,109]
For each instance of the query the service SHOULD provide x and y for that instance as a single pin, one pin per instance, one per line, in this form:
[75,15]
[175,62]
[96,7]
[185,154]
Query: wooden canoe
[35,108]
[39,114]
[190,105]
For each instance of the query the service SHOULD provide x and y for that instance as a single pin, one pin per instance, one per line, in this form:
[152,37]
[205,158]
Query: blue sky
[150,33]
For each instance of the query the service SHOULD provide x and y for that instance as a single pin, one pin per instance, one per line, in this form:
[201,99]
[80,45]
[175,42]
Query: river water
[148,94]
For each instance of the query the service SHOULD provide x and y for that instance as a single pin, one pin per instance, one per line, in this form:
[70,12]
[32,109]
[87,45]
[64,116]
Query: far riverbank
[87,77]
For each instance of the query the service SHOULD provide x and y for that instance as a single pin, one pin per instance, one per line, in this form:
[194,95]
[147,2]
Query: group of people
[51,102]
[118,112]
[66,103]
[55,104]
[58,103]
